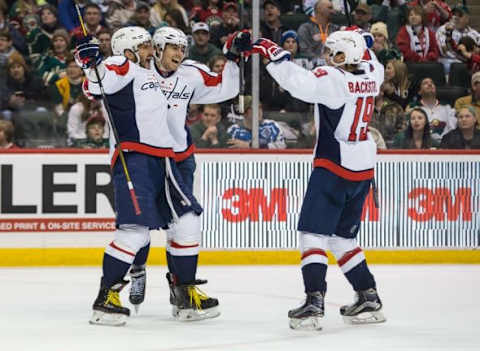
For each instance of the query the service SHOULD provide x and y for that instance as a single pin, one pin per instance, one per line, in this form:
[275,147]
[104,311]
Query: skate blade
[136,308]
[310,323]
[190,315]
[110,319]
[365,318]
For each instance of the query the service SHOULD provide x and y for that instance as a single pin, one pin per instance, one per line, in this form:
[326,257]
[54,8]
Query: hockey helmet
[129,38]
[350,43]
[168,35]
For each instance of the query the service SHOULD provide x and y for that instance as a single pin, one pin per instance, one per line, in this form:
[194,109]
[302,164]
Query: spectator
[217,63]
[473,99]
[174,18]
[289,41]
[209,132]
[37,40]
[209,11]
[7,131]
[95,130]
[92,17]
[51,67]
[60,45]
[194,114]
[397,86]
[6,51]
[313,34]
[391,12]
[362,15]
[230,24]
[466,135]
[388,119]
[449,35]
[415,40]
[16,37]
[21,8]
[441,117]
[105,39]
[65,91]
[120,12]
[470,53]
[271,27]
[381,47]
[159,10]
[417,135]
[201,50]
[270,133]
[141,17]
[437,12]
[79,114]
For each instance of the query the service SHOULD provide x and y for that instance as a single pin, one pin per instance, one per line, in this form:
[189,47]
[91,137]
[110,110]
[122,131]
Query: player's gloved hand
[87,53]
[270,50]
[237,43]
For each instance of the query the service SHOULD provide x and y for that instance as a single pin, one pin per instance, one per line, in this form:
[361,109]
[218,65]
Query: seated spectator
[466,135]
[289,42]
[397,86]
[7,131]
[271,26]
[60,47]
[160,8]
[209,132]
[230,24]
[441,117]
[141,17]
[473,99]
[79,114]
[105,39]
[313,34]
[209,11]
[417,135]
[362,15]
[390,12]
[388,119]
[37,40]
[470,53]
[95,130]
[381,46]
[217,63]
[437,12]
[6,51]
[15,35]
[65,91]
[415,40]
[174,18]
[21,8]
[270,133]
[449,35]
[49,20]
[92,16]
[201,50]
[119,13]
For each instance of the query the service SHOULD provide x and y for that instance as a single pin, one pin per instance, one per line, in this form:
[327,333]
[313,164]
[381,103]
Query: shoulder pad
[196,64]
[115,60]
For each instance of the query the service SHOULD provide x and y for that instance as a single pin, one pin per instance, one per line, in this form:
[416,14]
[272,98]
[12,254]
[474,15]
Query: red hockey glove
[237,43]
[270,50]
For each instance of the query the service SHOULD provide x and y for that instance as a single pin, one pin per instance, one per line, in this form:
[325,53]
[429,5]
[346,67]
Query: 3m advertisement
[251,201]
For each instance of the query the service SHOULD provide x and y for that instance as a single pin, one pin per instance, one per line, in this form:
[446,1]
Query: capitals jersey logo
[151,83]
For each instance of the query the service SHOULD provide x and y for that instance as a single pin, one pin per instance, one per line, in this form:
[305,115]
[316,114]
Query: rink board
[56,207]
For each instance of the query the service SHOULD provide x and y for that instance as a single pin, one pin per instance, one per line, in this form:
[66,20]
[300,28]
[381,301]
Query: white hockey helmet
[168,35]
[350,43]
[129,38]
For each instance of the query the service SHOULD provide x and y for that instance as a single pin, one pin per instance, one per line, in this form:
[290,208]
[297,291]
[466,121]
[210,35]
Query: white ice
[427,307]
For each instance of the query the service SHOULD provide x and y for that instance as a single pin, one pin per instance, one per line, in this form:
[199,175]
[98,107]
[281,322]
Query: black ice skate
[137,289]
[107,308]
[366,308]
[171,284]
[308,315]
[191,304]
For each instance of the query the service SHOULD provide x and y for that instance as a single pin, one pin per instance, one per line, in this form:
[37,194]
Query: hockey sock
[113,270]
[171,266]
[314,277]
[185,268]
[360,277]
[141,256]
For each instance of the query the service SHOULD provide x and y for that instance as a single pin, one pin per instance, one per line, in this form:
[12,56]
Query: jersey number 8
[366,105]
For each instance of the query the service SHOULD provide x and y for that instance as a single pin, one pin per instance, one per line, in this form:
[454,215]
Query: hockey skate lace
[113,298]
[196,296]
[137,286]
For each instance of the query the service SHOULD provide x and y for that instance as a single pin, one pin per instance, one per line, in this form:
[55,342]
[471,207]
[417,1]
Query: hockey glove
[237,43]
[87,53]
[270,50]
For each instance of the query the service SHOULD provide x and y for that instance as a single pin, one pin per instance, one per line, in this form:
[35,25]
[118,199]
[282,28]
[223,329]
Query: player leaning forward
[139,111]
[343,94]
[185,82]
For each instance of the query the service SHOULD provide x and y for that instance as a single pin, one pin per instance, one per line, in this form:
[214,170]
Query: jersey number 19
[358,130]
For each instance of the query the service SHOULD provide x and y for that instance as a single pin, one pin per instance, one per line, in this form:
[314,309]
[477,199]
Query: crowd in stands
[430,98]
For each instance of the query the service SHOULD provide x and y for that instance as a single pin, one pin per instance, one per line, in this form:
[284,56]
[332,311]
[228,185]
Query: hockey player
[183,83]
[343,95]
[139,110]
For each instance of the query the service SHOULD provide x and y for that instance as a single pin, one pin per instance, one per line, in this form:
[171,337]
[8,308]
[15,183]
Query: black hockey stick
[241,94]
[133,196]
[347,12]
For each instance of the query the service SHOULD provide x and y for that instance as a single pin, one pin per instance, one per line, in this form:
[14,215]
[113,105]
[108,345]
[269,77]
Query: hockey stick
[241,94]
[347,12]
[133,196]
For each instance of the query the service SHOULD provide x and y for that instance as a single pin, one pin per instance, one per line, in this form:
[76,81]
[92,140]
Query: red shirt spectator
[437,12]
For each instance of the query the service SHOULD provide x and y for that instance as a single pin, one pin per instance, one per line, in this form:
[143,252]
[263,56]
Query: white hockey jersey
[139,109]
[194,83]
[344,104]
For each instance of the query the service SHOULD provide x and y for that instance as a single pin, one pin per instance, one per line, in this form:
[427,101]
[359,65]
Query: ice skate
[307,316]
[171,284]
[365,310]
[107,308]
[191,304]
[137,289]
